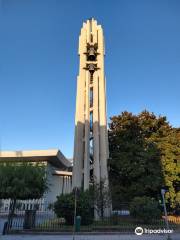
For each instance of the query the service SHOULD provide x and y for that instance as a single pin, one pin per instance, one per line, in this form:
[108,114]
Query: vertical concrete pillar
[86,137]
[96,129]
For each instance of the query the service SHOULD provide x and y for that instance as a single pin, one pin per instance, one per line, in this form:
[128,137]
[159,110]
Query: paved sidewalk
[88,237]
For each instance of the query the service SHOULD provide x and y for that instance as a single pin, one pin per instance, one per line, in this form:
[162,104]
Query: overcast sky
[39,65]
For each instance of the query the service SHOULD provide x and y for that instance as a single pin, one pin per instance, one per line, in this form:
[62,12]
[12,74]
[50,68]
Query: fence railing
[40,217]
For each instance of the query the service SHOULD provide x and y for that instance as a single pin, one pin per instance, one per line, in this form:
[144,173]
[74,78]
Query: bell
[91,54]
[91,68]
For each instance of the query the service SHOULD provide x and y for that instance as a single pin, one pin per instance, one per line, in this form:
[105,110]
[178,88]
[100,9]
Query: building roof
[62,173]
[53,156]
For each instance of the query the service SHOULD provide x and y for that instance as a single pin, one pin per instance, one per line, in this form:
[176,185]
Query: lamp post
[76,193]
[163,191]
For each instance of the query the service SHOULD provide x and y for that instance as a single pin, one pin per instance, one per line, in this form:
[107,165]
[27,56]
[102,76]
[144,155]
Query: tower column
[96,130]
[86,137]
[91,138]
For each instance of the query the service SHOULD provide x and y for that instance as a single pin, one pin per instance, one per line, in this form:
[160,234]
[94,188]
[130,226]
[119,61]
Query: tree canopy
[64,207]
[22,181]
[144,157]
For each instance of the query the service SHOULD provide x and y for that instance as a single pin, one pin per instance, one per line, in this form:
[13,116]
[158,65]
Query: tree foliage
[145,208]
[64,207]
[22,181]
[101,197]
[96,199]
[144,156]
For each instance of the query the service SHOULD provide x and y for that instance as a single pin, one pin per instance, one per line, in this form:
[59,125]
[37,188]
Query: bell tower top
[91,35]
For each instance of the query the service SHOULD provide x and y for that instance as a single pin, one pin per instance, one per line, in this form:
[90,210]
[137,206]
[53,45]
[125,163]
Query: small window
[91,121]
[91,97]
[91,150]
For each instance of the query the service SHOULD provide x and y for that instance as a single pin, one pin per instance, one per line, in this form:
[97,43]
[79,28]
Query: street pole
[163,191]
[75,210]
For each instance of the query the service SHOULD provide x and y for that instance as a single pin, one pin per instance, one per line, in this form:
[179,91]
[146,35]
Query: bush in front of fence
[64,207]
[145,208]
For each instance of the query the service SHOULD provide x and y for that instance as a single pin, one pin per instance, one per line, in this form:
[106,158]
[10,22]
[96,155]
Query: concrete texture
[91,141]
[87,237]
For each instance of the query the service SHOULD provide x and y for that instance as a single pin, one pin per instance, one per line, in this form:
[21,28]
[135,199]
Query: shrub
[64,207]
[145,208]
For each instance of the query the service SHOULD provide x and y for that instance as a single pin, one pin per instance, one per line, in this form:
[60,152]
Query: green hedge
[64,207]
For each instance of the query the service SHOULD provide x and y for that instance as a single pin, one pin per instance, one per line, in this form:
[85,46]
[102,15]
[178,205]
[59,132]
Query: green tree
[97,198]
[144,156]
[101,197]
[64,207]
[170,159]
[145,208]
[21,181]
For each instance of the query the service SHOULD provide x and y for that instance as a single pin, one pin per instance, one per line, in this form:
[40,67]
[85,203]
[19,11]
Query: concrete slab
[88,237]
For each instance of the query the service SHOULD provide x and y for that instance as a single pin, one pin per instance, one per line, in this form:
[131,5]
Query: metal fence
[40,217]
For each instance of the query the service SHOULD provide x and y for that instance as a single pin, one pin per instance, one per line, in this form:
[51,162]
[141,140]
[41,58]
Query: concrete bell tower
[91,139]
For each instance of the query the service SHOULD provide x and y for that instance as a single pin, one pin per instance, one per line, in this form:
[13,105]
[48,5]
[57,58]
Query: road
[89,237]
